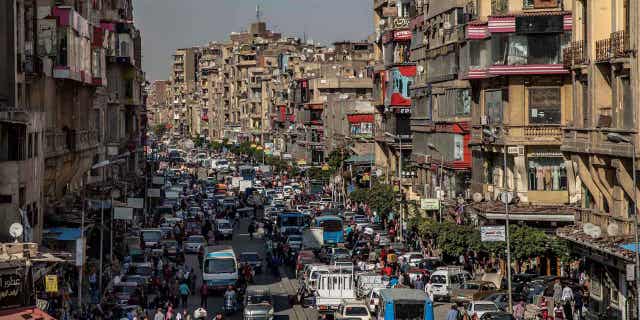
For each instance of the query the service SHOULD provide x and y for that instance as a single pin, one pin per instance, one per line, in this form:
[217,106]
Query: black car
[501,299]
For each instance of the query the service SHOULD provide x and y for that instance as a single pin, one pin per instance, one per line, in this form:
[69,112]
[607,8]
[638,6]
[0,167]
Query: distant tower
[258,13]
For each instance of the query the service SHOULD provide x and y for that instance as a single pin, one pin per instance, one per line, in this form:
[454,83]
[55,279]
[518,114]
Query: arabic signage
[12,289]
[404,35]
[79,252]
[429,204]
[51,283]
[400,23]
[492,234]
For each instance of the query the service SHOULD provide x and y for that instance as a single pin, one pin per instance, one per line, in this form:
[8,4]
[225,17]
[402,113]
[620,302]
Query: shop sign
[158,180]
[153,193]
[136,203]
[122,213]
[12,289]
[429,204]
[51,283]
[79,252]
[631,272]
[492,234]
[404,35]
[400,23]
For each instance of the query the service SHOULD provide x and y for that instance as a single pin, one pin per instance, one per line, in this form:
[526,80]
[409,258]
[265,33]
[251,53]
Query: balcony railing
[543,131]
[620,44]
[575,54]
[603,50]
[595,140]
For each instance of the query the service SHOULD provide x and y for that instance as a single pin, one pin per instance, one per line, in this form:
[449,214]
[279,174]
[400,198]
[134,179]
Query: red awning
[359,118]
[32,313]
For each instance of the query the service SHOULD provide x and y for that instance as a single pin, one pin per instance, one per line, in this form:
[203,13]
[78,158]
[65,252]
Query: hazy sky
[170,24]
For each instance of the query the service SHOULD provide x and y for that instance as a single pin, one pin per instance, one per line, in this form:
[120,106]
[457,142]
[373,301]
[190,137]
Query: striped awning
[502,24]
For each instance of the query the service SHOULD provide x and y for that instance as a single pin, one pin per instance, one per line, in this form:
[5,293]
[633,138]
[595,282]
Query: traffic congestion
[231,238]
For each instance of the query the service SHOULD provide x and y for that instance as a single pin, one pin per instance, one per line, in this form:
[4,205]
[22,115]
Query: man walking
[184,294]
[204,292]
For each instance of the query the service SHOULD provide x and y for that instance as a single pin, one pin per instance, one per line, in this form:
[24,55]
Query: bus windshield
[331,225]
[225,265]
[291,220]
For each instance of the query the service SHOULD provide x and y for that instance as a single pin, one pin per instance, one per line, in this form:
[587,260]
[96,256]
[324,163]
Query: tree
[379,198]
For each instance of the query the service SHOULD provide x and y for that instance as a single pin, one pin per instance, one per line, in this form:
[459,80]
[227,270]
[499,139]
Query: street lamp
[618,138]
[441,182]
[505,199]
[397,137]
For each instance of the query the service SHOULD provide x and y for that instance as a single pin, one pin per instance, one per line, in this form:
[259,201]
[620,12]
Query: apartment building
[599,141]
[158,103]
[521,98]
[441,115]
[183,79]
[393,76]
[70,96]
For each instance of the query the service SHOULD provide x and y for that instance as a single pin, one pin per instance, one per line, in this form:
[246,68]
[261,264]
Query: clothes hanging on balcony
[539,179]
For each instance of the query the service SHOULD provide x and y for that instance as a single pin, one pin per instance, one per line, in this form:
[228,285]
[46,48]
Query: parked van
[444,279]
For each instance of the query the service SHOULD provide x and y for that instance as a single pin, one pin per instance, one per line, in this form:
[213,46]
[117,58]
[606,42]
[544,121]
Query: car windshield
[151,236]
[144,271]
[295,239]
[340,251]
[471,286]
[249,257]
[259,298]
[355,311]
[485,307]
[125,289]
[224,226]
[195,239]
[436,278]
[220,266]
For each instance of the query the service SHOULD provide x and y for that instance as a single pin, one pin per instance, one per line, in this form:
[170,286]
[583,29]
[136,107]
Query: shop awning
[32,313]
[629,247]
[360,118]
[62,234]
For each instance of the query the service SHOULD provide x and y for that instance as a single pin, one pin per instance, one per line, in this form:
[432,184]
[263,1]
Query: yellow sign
[259,148]
[253,145]
[325,167]
[51,283]
[302,162]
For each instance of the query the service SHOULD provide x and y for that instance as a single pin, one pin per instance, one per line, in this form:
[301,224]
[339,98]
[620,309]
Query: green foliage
[215,146]
[336,158]
[159,129]
[199,142]
[379,198]
[455,239]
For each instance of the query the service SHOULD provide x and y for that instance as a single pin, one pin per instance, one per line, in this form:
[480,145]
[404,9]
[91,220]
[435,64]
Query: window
[494,106]
[30,146]
[544,106]
[627,106]
[13,142]
[515,49]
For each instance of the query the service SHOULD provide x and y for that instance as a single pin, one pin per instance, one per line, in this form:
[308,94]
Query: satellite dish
[382,22]
[420,69]
[506,197]
[15,230]
[592,230]
[477,197]
[613,229]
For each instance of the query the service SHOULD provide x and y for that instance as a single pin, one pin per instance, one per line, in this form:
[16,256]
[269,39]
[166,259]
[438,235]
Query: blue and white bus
[290,222]
[331,225]
[219,267]
[247,172]
[404,304]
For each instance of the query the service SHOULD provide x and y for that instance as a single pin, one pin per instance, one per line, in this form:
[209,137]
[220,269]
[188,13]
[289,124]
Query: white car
[194,243]
[224,228]
[479,308]
[413,258]
[354,311]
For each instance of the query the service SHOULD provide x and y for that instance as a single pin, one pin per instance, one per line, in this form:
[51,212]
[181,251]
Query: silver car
[193,244]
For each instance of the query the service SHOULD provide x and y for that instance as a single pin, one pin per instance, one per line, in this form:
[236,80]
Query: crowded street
[320,160]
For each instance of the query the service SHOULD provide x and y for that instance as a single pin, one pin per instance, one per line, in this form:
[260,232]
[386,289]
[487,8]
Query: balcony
[594,140]
[575,54]
[58,142]
[603,50]
[620,44]
[499,7]
[520,134]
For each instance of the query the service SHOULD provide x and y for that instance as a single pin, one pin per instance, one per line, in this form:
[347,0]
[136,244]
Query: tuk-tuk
[258,312]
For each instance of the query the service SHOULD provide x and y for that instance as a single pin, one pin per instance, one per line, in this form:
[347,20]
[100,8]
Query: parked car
[497,316]
[479,308]
[358,311]
[473,290]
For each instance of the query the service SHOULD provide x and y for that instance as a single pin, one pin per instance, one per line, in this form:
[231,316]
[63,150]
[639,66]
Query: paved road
[280,286]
